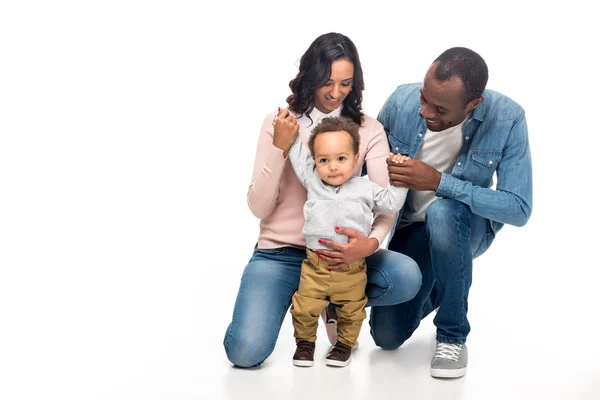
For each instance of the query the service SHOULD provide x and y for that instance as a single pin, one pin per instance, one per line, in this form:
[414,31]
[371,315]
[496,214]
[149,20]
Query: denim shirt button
[396,149]
[467,138]
[420,135]
[459,163]
[491,162]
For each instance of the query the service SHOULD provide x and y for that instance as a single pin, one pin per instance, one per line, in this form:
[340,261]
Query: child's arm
[301,160]
[392,198]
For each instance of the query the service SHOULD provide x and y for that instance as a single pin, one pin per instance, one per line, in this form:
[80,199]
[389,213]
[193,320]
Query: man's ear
[473,104]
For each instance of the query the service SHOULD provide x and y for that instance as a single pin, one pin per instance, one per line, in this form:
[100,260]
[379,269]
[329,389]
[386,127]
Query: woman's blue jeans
[271,278]
[444,247]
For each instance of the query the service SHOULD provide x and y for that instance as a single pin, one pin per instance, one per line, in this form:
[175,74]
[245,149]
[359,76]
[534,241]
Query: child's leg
[348,294]
[309,301]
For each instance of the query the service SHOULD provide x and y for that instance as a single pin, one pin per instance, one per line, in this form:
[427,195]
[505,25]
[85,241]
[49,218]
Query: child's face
[334,157]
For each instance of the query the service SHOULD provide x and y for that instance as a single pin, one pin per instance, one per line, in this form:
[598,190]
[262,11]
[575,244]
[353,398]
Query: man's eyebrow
[435,105]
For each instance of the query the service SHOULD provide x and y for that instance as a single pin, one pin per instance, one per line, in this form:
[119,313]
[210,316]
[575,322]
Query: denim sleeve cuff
[447,185]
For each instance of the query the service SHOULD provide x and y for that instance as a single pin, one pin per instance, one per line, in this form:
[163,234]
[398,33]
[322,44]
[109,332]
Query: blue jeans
[271,278]
[444,247]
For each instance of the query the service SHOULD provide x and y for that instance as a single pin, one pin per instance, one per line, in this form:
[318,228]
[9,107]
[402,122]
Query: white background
[127,139]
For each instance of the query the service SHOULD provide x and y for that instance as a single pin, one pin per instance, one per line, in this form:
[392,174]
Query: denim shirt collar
[480,111]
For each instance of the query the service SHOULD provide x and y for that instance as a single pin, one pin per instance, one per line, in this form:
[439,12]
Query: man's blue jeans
[271,278]
[444,247]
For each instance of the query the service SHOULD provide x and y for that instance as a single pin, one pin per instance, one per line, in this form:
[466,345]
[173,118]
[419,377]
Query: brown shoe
[339,356]
[304,355]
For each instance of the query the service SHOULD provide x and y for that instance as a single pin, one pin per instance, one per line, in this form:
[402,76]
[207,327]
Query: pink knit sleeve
[268,167]
[378,150]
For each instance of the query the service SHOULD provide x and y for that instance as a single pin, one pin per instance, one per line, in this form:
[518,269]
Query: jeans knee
[442,218]
[245,353]
[412,282]
[405,284]
[387,340]
[444,210]
[245,356]
[386,330]
[394,277]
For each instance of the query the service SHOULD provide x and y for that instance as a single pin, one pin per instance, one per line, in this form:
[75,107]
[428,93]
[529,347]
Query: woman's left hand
[358,247]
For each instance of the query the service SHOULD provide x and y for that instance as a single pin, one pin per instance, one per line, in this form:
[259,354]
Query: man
[458,134]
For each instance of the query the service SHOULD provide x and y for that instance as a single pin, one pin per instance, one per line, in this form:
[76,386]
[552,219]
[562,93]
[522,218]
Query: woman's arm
[268,168]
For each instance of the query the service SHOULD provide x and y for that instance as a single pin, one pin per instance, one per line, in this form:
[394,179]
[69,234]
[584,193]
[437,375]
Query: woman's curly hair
[315,70]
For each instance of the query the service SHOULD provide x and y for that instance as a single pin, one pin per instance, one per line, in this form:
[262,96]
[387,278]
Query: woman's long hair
[315,70]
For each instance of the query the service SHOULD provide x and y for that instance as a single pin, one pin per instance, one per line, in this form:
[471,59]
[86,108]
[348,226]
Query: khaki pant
[318,286]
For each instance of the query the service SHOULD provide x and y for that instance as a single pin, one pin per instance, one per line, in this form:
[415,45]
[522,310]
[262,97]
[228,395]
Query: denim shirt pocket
[485,163]
[398,145]
[487,158]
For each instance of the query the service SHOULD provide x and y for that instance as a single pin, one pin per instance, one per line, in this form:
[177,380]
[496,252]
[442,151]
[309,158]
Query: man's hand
[285,129]
[413,174]
[358,247]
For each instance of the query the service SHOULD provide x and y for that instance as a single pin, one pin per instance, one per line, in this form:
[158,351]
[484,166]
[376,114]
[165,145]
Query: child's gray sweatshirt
[350,205]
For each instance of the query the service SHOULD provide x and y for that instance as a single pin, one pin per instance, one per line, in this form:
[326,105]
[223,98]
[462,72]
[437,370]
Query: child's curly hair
[335,124]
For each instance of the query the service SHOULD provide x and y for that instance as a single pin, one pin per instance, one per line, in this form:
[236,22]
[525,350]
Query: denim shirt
[494,141]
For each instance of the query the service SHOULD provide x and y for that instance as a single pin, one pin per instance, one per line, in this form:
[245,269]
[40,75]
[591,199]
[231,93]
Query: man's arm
[511,202]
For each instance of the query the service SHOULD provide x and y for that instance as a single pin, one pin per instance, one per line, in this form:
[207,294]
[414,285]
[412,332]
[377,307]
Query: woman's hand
[285,129]
[358,247]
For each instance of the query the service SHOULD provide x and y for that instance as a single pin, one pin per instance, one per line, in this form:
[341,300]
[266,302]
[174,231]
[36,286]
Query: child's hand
[398,158]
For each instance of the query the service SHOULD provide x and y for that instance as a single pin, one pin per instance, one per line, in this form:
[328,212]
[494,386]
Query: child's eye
[342,158]
[322,160]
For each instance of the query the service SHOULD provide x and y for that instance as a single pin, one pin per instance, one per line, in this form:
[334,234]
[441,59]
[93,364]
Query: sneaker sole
[336,363]
[303,363]
[448,373]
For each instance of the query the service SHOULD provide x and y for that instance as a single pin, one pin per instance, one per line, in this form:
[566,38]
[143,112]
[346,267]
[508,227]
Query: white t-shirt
[440,150]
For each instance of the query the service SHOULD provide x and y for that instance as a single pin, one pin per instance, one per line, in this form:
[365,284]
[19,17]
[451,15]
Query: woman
[329,83]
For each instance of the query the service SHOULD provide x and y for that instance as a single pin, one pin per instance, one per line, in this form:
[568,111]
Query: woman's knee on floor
[249,349]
